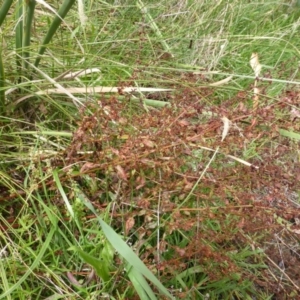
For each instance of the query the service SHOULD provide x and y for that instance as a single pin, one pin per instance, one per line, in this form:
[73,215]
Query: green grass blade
[4,278]
[19,37]
[124,250]
[66,6]
[33,266]
[27,30]
[153,103]
[4,10]
[63,194]
[153,26]
[2,85]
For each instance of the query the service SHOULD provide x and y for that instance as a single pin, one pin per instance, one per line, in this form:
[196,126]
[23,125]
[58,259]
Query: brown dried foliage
[148,161]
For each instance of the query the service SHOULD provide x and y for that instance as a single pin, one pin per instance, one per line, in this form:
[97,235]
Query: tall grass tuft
[25,13]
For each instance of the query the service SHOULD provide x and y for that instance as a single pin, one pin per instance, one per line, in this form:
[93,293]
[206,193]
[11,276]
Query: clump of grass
[119,163]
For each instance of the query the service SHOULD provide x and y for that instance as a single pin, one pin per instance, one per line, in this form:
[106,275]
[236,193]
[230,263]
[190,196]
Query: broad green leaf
[290,134]
[124,250]
[140,284]
[101,266]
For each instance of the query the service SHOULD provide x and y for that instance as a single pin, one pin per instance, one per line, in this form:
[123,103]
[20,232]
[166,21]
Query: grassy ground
[212,213]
